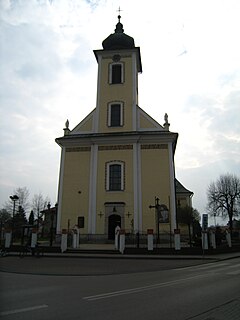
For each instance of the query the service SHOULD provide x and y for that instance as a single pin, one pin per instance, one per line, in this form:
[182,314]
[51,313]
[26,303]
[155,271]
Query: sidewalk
[103,260]
[57,264]
[107,251]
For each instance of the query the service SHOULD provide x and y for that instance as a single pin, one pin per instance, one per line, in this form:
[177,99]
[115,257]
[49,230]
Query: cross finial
[119,10]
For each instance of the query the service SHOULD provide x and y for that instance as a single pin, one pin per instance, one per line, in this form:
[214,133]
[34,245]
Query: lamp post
[51,228]
[14,198]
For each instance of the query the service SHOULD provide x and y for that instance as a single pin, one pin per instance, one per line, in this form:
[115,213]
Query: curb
[128,256]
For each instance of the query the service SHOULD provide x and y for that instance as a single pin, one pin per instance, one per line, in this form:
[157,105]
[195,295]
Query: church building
[118,162]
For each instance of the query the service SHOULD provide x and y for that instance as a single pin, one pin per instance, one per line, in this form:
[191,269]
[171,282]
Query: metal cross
[119,10]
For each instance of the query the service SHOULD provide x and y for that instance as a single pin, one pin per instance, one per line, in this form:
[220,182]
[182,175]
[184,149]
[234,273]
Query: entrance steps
[94,248]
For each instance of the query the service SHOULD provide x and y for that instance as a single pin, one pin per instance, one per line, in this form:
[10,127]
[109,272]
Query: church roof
[181,189]
[118,40]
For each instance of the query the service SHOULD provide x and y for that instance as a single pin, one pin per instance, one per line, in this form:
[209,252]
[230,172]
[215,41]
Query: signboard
[163,214]
[204,222]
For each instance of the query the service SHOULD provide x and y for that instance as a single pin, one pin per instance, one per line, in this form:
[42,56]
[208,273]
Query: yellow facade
[118,159]
[155,182]
[75,187]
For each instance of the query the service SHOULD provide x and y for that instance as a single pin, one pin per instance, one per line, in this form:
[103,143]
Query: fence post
[150,239]
[64,240]
[228,238]
[212,239]
[34,238]
[204,240]
[177,240]
[74,239]
[117,236]
[122,241]
[8,238]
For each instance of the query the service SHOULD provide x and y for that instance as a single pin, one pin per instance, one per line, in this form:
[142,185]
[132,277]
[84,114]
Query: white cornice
[110,53]
[119,138]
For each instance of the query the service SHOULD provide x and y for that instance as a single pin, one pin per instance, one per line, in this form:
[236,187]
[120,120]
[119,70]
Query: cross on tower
[119,10]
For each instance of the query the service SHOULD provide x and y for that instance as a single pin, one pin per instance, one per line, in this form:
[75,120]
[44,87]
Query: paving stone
[227,311]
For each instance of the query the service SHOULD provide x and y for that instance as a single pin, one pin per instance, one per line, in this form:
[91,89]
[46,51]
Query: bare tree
[23,195]
[224,197]
[39,203]
[23,200]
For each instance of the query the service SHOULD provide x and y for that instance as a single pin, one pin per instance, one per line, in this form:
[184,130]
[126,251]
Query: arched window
[115,176]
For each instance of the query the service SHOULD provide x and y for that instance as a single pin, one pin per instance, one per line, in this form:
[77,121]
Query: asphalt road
[165,291]
[90,266]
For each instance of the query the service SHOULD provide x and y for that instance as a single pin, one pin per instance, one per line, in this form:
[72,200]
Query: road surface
[169,292]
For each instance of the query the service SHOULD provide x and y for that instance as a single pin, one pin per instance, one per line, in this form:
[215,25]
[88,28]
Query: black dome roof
[118,40]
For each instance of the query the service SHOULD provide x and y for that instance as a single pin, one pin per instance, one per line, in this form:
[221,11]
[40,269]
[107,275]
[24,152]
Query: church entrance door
[113,221]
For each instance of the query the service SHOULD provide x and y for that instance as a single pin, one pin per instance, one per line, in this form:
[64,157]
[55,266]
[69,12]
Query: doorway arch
[113,221]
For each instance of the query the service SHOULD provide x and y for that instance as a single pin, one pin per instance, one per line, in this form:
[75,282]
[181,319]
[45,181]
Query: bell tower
[119,63]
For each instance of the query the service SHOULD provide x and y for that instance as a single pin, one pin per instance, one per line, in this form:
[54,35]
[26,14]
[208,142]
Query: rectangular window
[115,177]
[116,73]
[80,222]
[115,114]
[115,117]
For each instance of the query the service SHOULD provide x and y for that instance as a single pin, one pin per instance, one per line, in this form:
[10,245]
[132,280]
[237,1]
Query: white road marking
[224,267]
[234,273]
[6,313]
[140,289]
[204,266]
[235,265]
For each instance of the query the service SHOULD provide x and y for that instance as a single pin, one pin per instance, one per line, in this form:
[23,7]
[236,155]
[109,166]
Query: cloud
[48,73]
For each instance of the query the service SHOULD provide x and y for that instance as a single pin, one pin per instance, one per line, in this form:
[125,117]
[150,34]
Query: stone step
[92,251]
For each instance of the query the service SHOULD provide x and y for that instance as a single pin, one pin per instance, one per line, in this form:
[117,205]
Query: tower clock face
[116,57]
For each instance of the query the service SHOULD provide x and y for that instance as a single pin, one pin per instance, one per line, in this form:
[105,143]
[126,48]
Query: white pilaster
[60,190]
[92,190]
[96,114]
[137,187]
[134,107]
[172,187]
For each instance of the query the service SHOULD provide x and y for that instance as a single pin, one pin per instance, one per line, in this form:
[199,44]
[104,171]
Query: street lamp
[51,214]
[14,198]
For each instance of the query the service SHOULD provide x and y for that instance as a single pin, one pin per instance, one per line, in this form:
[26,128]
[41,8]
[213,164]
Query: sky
[48,73]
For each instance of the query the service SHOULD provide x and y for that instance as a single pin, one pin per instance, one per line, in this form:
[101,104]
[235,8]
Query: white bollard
[76,236]
[74,239]
[177,239]
[228,238]
[117,236]
[150,239]
[212,239]
[204,240]
[34,238]
[8,238]
[64,240]
[122,241]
